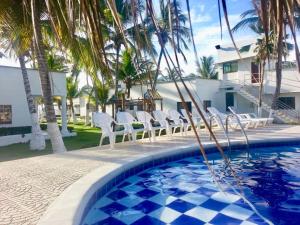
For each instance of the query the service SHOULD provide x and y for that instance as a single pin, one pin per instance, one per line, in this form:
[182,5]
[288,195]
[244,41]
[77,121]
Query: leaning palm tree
[52,126]
[207,69]
[166,24]
[16,34]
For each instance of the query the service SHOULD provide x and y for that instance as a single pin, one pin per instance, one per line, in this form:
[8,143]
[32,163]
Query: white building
[14,110]
[237,86]
[240,81]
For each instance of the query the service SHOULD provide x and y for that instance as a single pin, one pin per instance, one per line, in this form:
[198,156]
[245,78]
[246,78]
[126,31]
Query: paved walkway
[28,186]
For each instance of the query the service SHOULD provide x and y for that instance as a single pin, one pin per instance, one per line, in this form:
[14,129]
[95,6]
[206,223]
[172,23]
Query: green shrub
[44,127]
[5,131]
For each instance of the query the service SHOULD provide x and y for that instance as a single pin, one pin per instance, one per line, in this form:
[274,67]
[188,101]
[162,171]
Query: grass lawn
[86,137]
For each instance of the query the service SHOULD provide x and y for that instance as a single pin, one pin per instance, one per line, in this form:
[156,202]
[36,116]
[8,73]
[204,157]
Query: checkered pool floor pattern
[177,193]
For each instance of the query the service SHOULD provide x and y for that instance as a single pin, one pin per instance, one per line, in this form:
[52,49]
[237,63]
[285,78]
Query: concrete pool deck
[29,186]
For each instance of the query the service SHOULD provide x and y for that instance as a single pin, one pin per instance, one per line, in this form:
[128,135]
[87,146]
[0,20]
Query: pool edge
[69,207]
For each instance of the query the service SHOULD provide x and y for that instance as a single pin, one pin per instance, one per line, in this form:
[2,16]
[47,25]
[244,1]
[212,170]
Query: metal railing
[246,85]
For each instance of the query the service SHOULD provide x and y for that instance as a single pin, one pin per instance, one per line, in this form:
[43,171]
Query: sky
[207,34]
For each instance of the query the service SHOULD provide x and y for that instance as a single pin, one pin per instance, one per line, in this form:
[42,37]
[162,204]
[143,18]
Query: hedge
[5,131]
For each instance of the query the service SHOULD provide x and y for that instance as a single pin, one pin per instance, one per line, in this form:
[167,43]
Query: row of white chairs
[170,122]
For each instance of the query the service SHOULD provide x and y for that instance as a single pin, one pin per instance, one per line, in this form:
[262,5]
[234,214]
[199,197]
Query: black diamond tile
[117,195]
[146,206]
[214,205]
[181,206]
[146,193]
[187,220]
[109,221]
[147,220]
[223,219]
[113,208]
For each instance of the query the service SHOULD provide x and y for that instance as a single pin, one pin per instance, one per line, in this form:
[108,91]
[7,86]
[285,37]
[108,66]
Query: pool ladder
[226,132]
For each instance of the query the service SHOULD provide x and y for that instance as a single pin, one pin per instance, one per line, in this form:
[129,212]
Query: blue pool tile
[113,208]
[205,191]
[124,184]
[186,220]
[214,205]
[147,220]
[146,193]
[118,194]
[109,221]
[146,206]
[145,175]
[181,205]
[222,219]
[176,192]
[256,219]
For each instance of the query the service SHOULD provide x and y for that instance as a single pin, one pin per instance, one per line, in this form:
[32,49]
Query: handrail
[217,117]
[242,129]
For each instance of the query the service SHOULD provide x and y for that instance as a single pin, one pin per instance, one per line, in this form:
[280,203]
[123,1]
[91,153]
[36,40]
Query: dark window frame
[288,100]
[206,104]
[5,114]
[230,67]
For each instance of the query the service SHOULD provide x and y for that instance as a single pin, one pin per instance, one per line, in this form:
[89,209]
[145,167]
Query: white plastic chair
[196,119]
[105,122]
[162,117]
[178,118]
[146,118]
[252,117]
[220,119]
[127,119]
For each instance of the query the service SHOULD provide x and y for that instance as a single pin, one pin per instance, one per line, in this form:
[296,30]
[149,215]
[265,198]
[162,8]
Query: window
[180,106]
[230,67]
[206,104]
[5,114]
[289,101]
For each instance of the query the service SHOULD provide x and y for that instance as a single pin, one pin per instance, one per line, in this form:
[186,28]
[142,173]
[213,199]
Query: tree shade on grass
[86,137]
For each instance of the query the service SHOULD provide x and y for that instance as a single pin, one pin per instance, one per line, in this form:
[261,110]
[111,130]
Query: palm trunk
[128,87]
[52,127]
[261,86]
[158,66]
[117,71]
[73,111]
[278,69]
[37,141]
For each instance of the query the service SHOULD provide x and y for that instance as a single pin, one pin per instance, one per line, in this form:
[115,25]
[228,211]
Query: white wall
[12,92]
[205,89]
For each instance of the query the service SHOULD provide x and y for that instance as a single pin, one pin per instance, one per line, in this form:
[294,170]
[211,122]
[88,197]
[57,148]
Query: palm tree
[178,20]
[72,92]
[52,126]
[269,24]
[207,69]
[16,34]
[128,72]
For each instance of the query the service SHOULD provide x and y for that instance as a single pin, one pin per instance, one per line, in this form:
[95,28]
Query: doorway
[229,100]
[255,77]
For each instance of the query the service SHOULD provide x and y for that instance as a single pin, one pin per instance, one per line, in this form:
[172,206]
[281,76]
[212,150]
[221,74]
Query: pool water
[184,193]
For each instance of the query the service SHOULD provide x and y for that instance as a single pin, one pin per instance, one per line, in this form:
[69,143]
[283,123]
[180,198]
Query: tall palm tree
[52,126]
[16,36]
[73,91]
[128,73]
[165,28]
[207,69]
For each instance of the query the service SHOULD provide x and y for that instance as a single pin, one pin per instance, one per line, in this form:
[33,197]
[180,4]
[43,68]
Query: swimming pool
[183,192]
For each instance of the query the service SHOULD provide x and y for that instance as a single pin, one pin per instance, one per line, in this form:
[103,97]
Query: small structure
[148,103]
